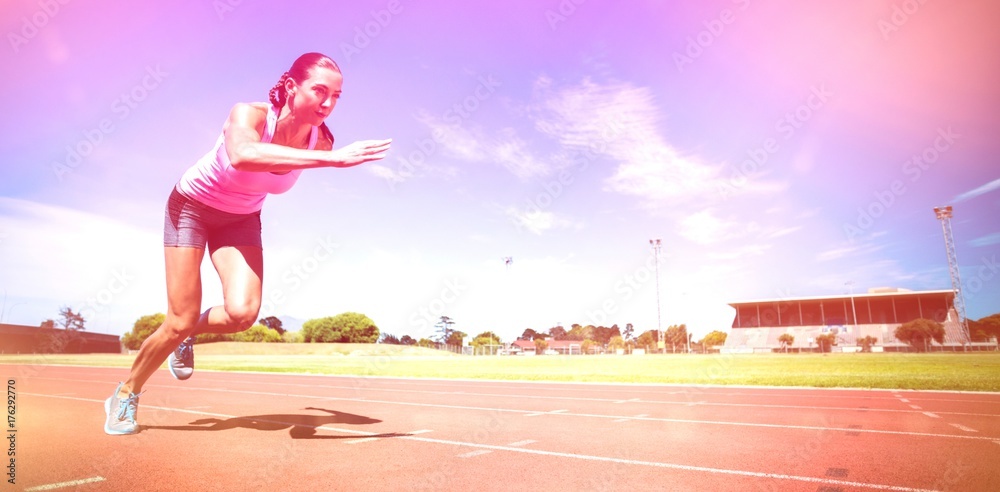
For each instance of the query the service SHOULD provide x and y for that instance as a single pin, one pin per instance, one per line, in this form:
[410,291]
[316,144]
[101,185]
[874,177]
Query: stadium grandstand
[877,313]
[22,339]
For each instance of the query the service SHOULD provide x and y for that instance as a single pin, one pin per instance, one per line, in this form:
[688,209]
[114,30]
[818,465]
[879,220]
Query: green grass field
[965,372]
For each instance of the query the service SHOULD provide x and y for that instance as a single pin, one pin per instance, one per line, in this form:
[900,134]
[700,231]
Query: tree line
[352,327]
[349,327]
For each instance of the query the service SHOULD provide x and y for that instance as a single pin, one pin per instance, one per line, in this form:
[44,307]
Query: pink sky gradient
[564,135]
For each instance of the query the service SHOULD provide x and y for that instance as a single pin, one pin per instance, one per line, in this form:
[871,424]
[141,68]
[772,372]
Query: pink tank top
[214,182]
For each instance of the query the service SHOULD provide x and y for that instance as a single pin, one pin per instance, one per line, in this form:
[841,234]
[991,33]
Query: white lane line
[553,412]
[477,452]
[522,443]
[626,419]
[932,415]
[628,401]
[60,485]
[546,397]
[362,440]
[528,413]
[963,428]
[596,458]
[674,466]
[553,386]
[370,439]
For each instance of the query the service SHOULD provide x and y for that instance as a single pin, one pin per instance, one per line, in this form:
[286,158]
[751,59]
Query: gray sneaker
[181,360]
[121,414]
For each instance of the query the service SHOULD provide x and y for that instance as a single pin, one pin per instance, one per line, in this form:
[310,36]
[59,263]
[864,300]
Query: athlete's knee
[180,324]
[242,315]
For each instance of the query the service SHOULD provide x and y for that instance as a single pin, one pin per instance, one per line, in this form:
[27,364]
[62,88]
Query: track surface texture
[250,431]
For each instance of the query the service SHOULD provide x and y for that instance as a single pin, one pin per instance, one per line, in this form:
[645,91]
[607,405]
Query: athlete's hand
[359,152]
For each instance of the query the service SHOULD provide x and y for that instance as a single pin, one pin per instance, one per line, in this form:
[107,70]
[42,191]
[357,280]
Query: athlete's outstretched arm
[248,153]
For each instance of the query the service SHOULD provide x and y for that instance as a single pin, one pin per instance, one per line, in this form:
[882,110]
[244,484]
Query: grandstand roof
[870,293]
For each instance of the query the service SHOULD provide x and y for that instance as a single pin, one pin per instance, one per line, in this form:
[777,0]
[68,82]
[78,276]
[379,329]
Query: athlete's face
[315,97]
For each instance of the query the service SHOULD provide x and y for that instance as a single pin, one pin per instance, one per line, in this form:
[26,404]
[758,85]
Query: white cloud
[740,253]
[386,173]
[982,190]
[705,228]
[619,121]
[538,222]
[986,240]
[836,253]
[516,156]
[472,143]
[102,266]
[783,232]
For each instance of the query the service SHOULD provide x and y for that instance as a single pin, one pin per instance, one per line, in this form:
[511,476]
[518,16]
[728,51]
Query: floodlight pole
[944,214]
[656,243]
[507,262]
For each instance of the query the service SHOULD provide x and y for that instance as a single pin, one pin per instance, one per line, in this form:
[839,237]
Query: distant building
[877,313]
[21,339]
[563,347]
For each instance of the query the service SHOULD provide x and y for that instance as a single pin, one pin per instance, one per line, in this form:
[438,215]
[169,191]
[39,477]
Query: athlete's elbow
[242,158]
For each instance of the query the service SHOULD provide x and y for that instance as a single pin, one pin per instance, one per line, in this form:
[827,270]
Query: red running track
[245,431]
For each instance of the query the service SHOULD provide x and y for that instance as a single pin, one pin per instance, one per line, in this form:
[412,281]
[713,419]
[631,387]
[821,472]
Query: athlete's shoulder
[248,115]
[251,109]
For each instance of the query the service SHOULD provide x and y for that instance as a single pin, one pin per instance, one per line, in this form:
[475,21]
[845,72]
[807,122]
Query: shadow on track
[300,426]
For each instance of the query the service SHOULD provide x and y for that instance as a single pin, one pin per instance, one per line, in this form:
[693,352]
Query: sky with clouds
[776,148]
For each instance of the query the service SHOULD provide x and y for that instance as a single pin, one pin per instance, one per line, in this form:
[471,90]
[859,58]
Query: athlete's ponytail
[278,94]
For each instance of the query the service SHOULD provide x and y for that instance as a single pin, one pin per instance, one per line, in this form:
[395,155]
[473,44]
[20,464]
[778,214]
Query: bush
[213,337]
[141,330]
[342,328]
[866,343]
[292,337]
[826,342]
[258,334]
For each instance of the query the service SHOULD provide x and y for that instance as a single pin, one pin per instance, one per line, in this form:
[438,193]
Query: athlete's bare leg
[241,270]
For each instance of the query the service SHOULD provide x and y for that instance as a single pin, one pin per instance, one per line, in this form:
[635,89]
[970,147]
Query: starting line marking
[60,485]
[626,419]
[522,443]
[932,415]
